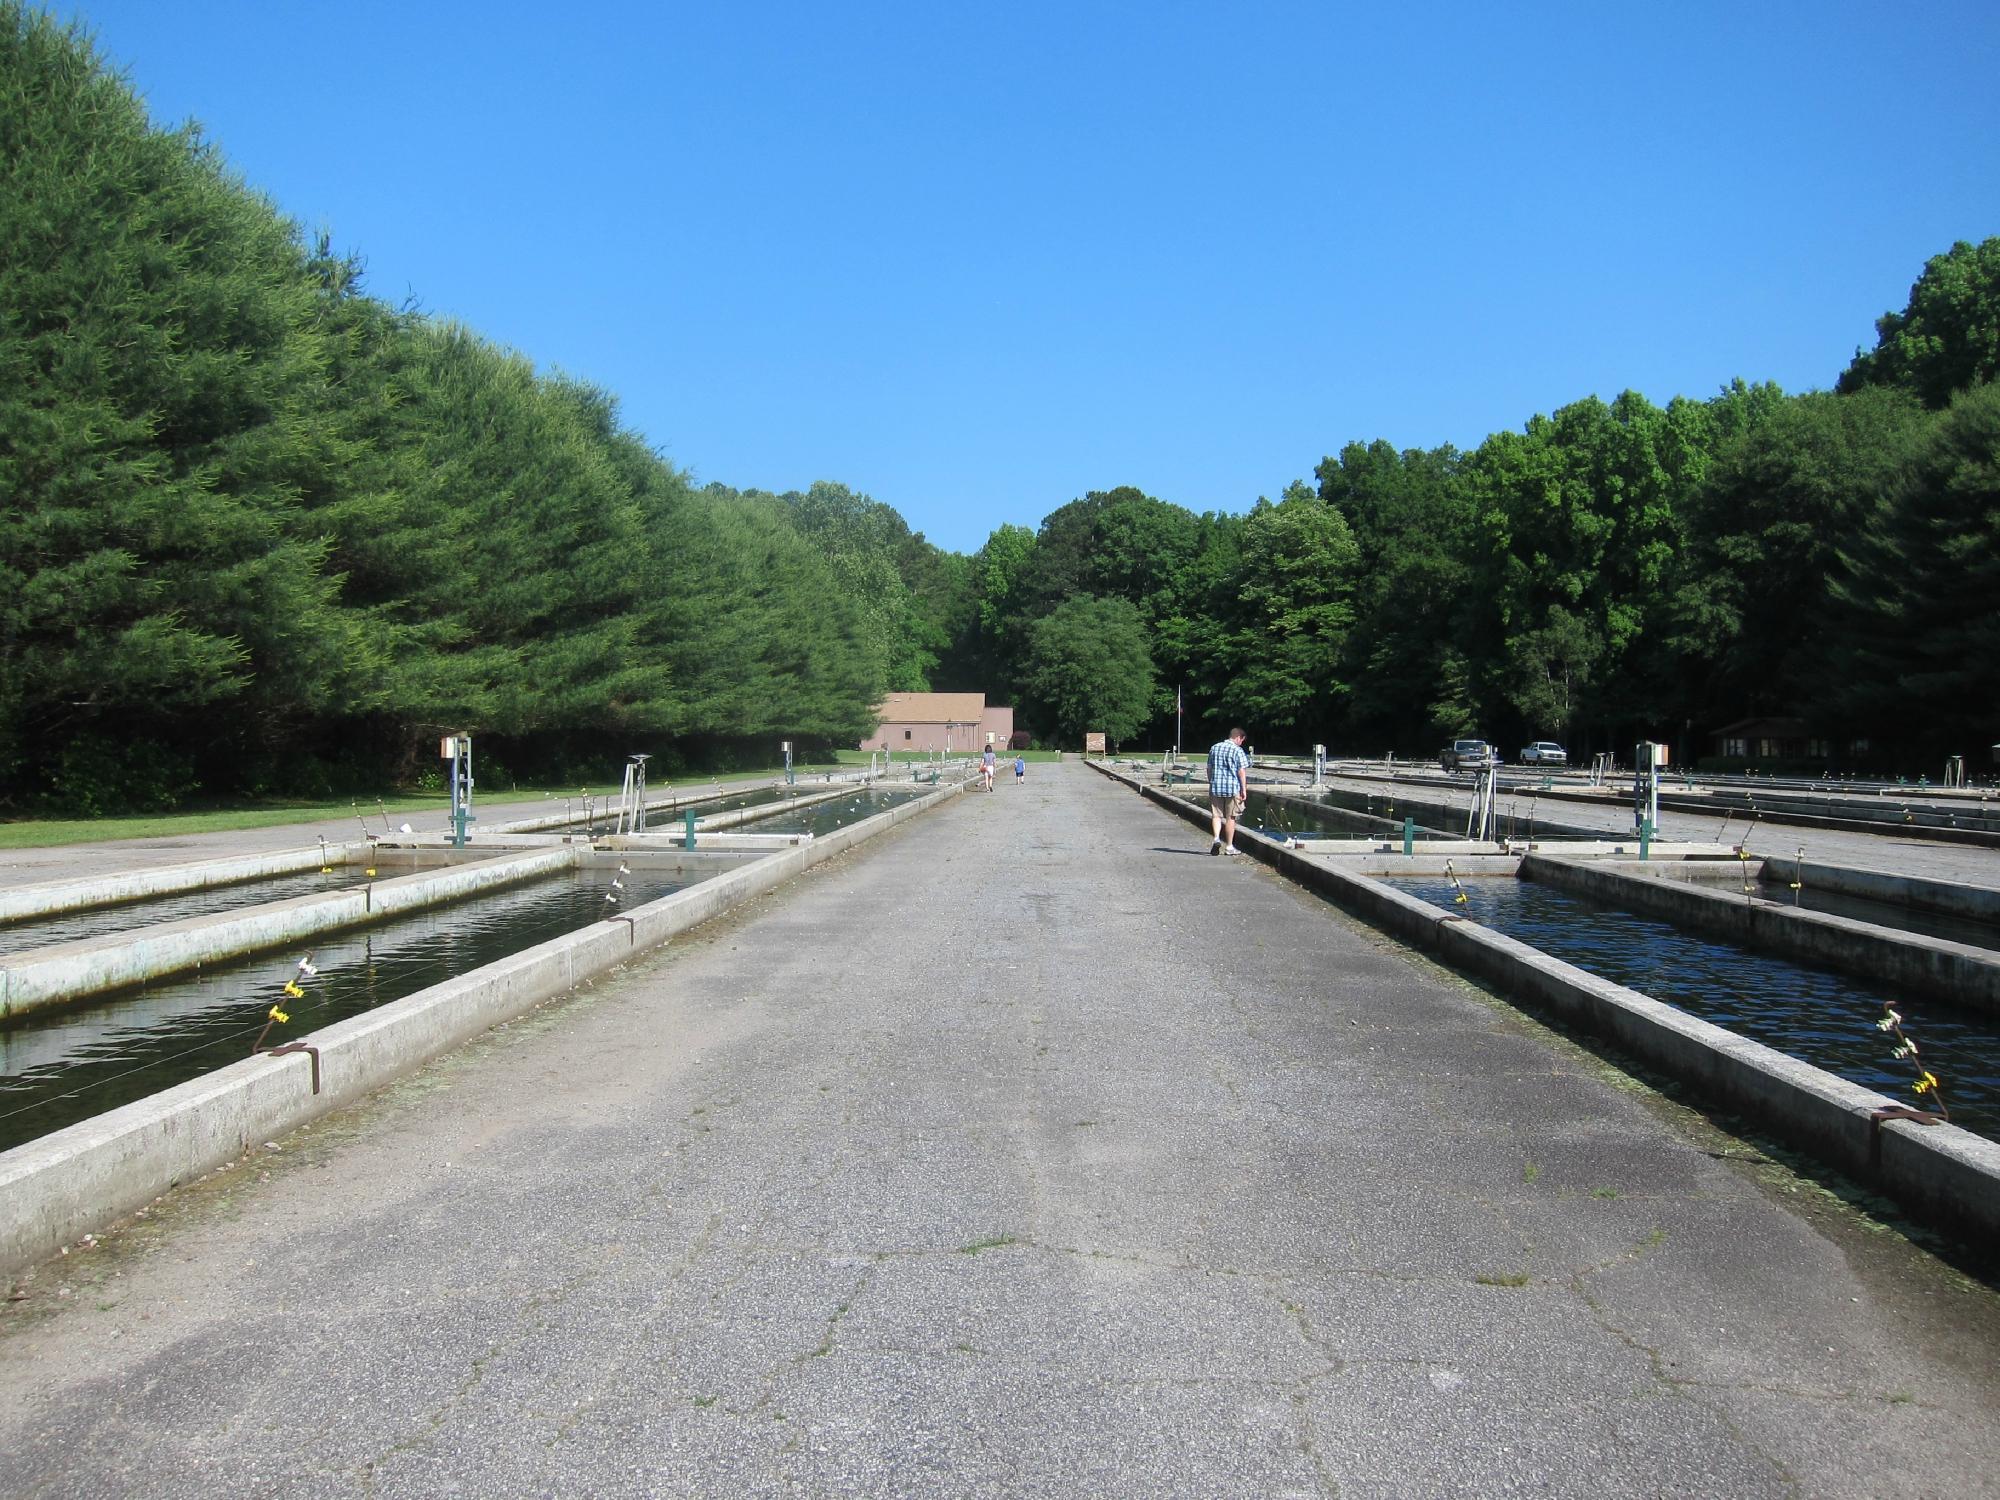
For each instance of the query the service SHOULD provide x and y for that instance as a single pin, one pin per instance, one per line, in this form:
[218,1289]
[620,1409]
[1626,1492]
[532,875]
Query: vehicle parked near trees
[1460,754]
[1544,753]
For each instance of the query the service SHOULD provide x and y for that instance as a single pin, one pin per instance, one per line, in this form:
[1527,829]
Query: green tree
[1288,617]
[1586,510]
[1550,665]
[160,370]
[519,472]
[1918,653]
[992,632]
[866,543]
[1409,518]
[1947,339]
[747,621]
[1747,624]
[1088,668]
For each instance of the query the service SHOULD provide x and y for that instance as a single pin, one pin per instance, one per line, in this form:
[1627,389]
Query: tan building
[940,721]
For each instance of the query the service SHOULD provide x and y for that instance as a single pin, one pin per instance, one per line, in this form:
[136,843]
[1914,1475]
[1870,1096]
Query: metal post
[690,828]
[1479,817]
[790,779]
[1319,766]
[1647,758]
[456,749]
[1645,840]
[1409,836]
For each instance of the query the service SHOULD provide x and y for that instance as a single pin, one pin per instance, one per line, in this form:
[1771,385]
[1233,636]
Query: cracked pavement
[1023,1151]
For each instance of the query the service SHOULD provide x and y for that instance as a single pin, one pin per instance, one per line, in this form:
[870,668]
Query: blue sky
[978,260]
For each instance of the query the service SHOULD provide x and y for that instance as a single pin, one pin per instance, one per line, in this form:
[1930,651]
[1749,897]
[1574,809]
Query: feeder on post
[1319,766]
[1479,817]
[456,750]
[632,797]
[790,779]
[1648,758]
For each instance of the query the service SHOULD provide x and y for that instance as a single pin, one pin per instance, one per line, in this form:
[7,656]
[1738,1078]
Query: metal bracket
[631,928]
[288,1049]
[1904,1112]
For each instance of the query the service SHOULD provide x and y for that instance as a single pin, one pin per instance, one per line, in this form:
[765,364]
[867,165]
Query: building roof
[931,708]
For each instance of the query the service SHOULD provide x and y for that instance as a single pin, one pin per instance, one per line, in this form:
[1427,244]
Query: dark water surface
[66,1065]
[1323,814]
[823,818]
[1281,817]
[1819,1016]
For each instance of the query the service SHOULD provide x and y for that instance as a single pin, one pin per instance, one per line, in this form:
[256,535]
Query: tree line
[260,530]
[1613,571]
[263,531]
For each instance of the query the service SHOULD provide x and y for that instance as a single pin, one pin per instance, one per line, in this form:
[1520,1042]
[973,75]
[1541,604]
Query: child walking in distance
[1020,770]
[1228,781]
[986,765]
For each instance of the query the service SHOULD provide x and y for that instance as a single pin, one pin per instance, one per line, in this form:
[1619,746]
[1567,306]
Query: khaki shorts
[1227,807]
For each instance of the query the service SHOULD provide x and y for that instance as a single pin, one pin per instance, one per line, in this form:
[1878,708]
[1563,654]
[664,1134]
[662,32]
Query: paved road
[1028,1151]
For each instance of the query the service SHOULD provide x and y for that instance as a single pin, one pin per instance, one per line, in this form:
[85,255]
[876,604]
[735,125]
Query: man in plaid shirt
[1228,780]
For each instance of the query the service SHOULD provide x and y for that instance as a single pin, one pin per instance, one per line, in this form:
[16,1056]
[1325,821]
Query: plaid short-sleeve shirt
[1227,767]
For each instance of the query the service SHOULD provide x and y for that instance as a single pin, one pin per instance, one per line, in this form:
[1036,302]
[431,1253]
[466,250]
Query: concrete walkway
[1028,1151]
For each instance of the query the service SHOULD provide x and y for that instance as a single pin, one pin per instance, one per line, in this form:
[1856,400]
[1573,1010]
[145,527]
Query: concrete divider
[1732,812]
[668,801]
[82,1177]
[1949,898]
[64,972]
[1939,1173]
[1909,961]
[1932,824]
[22,903]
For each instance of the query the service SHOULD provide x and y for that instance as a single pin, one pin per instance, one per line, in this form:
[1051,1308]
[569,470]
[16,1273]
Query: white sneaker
[1231,849]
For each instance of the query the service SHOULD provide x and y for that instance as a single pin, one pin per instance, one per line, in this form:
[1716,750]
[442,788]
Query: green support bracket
[1646,839]
[1409,837]
[690,828]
